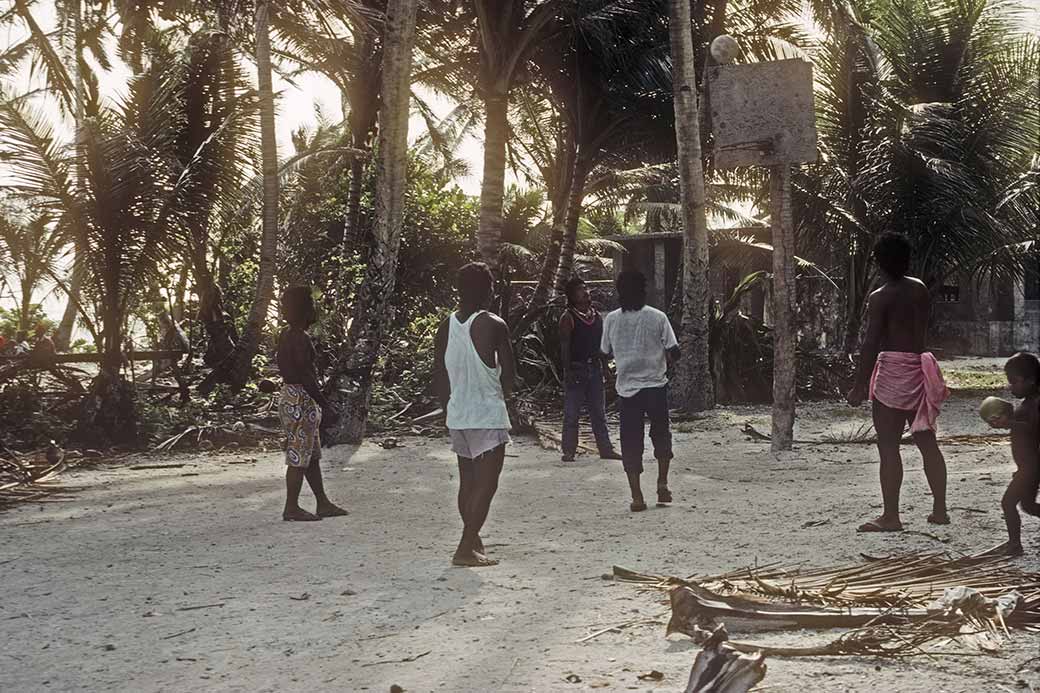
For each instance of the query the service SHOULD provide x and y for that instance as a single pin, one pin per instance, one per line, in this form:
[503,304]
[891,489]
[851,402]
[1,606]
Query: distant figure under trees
[303,408]
[584,368]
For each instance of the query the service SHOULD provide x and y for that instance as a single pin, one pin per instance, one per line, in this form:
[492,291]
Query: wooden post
[784,329]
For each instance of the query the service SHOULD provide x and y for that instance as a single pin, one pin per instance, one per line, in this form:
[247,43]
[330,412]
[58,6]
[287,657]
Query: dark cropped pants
[649,403]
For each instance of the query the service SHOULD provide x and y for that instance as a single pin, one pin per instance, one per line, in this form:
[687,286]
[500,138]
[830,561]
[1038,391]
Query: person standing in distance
[903,381]
[643,344]
[474,374]
[584,367]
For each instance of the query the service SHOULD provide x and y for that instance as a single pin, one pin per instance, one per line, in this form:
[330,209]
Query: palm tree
[239,365]
[367,329]
[694,390]
[32,249]
[928,119]
[59,56]
[349,54]
[508,31]
[127,211]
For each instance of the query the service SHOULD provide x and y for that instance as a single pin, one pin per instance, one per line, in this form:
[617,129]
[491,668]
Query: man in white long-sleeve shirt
[642,342]
[474,373]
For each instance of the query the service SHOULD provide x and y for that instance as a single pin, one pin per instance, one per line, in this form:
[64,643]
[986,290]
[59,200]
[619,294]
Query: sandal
[663,495]
[637,506]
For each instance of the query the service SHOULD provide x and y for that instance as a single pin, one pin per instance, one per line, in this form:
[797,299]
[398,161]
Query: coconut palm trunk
[560,196]
[67,325]
[365,336]
[241,361]
[693,389]
[565,266]
[492,187]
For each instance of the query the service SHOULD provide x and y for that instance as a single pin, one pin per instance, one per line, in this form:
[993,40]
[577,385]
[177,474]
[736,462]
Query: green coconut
[995,408]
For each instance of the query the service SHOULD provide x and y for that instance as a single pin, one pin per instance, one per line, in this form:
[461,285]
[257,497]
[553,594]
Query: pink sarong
[910,382]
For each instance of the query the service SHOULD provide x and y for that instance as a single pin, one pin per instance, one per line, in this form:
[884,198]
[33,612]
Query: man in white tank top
[473,374]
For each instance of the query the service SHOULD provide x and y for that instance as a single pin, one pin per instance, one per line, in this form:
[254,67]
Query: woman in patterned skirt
[303,406]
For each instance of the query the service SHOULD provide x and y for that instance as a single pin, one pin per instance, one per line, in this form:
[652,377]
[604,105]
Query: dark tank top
[586,337]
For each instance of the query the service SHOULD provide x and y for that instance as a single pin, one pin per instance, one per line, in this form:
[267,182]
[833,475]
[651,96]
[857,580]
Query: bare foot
[331,510]
[472,559]
[298,515]
[638,505]
[882,524]
[1006,549]
[939,517]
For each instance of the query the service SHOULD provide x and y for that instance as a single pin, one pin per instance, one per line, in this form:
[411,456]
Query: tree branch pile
[893,607]
[30,477]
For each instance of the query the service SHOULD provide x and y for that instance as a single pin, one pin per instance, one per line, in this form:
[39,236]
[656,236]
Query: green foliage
[928,120]
[10,320]
[439,226]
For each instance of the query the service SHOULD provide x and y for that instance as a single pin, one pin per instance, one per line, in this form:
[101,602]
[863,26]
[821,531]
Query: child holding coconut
[1023,374]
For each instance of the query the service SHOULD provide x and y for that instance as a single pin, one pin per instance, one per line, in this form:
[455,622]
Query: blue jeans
[584,388]
[649,403]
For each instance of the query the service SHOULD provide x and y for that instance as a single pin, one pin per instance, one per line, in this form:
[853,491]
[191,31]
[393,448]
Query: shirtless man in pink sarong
[902,380]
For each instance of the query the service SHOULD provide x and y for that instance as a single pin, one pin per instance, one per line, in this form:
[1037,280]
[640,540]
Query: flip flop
[663,496]
[937,519]
[875,527]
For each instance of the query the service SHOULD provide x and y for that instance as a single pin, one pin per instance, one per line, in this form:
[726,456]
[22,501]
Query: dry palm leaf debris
[895,606]
[30,477]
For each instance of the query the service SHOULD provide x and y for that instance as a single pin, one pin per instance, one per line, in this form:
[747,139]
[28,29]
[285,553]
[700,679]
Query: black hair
[631,289]
[1025,365]
[474,282]
[572,284]
[298,306]
[892,253]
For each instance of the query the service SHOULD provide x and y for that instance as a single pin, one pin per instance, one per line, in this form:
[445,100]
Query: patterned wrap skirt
[301,419]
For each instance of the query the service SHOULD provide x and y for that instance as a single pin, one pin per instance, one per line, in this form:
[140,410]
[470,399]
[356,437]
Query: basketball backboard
[762,113]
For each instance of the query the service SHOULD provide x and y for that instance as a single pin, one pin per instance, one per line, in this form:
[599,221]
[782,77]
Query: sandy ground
[186,579]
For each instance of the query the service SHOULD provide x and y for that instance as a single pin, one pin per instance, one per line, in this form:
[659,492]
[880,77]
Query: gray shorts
[471,443]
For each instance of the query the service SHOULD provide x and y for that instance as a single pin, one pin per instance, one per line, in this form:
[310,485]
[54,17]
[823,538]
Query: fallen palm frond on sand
[897,606]
[30,477]
[722,668]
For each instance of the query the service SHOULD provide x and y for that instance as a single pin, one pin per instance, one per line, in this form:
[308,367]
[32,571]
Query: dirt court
[186,579]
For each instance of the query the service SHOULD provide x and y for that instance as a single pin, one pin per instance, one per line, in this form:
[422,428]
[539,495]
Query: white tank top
[476,398]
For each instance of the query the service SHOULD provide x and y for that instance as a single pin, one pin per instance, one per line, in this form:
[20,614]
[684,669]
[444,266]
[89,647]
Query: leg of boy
[1015,493]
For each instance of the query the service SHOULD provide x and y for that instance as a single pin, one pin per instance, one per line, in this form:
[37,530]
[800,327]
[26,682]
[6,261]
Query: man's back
[638,339]
[474,367]
[901,307]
